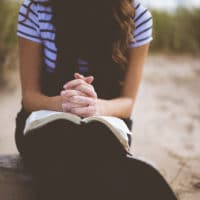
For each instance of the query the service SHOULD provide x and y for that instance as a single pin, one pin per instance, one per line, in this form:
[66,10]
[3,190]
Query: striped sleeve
[143,26]
[28,26]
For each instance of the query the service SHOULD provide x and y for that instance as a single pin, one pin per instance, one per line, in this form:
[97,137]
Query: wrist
[120,107]
[55,103]
[34,101]
[102,107]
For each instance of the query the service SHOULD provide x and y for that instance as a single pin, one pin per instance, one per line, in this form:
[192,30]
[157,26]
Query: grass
[8,20]
[177,32]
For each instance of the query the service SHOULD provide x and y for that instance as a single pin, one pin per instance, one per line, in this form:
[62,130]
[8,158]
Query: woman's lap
[62,146]
[70,155]
[87,161]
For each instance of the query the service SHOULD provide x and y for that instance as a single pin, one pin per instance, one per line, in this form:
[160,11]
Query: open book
[116,125]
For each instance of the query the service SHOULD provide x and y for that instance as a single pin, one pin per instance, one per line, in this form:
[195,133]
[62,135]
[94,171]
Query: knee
[102,141]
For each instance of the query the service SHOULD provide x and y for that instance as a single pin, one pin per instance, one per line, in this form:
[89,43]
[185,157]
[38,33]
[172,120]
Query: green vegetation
[8,19]
[177,32]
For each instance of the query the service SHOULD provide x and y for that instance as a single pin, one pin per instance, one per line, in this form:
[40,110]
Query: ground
[166,120]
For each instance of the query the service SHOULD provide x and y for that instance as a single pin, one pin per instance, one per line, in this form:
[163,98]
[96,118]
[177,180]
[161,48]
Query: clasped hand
[79,97]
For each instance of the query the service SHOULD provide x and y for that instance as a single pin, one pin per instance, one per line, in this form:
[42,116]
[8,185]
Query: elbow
[28,99]
[26,104]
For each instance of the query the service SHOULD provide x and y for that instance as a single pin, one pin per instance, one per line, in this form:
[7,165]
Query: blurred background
[167,111]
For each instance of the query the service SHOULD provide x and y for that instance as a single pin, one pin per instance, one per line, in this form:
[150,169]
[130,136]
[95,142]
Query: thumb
[89,79]
[78,76]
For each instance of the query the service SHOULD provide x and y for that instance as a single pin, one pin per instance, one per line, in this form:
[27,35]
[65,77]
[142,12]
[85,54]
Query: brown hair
[123,13]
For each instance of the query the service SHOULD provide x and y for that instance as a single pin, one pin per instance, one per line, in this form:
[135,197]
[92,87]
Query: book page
[114,121]
[42,117]
[116,125]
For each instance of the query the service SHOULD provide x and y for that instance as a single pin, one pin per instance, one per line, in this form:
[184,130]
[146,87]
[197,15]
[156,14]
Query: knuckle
[79,87]
[80,81]
[73,98]
[92,87]
[93,109]
[65,107]
[74,93]
[73,110]
[67,93]
[90,109]
[92,102]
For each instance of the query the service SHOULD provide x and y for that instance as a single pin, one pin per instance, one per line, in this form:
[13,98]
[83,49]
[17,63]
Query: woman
[85,58]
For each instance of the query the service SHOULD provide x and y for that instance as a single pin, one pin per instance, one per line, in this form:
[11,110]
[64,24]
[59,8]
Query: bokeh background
[167,111]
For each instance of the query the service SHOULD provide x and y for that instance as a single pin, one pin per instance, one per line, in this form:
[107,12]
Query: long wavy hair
[97,31]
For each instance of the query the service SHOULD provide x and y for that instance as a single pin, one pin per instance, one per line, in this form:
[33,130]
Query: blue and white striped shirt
[38,28]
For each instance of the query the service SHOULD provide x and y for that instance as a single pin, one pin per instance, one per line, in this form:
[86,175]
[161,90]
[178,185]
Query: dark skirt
[70,161]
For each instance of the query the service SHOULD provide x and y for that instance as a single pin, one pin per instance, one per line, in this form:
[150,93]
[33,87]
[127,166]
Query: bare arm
[125,103]
[30,54]
[120,107]
[30,68]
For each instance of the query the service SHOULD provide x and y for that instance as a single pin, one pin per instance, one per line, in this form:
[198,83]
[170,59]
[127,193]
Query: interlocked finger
[84,101]
[85,111]
[74,83]
[69,93]
[87,89]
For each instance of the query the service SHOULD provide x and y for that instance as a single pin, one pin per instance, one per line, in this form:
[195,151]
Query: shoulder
[143,24]
[28,5]
[28,21]
[34,11]
[141,12]
[34,6]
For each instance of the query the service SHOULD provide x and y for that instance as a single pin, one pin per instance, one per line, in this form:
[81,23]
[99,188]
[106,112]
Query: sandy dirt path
[166,120]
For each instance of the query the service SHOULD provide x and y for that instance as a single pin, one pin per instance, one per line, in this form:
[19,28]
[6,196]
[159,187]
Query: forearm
[120,107]
[123,106]
[38,101]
